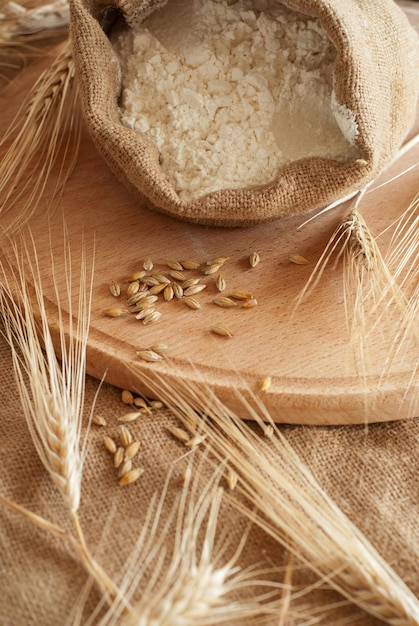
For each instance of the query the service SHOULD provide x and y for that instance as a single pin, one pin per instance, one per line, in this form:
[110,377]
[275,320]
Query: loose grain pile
[230,92]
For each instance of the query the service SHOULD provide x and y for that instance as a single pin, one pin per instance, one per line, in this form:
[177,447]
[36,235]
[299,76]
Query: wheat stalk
[51,393]
[293,507]
[46,126]
[198,585]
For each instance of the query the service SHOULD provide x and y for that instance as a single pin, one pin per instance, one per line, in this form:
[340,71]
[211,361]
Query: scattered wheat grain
[159,347]
[137,298]
[195,441]
[179,433]
[143,313]
[110,445]
[151,318]
[220,260]
[124,468]
[136,276]
[99,420]
[132,450]
[156,404]
[168,293]
[190,282]
[176,275]
[192,303]
[162,278]
[140,402]
[150,281]
[269,431]
[298,259]
[118,457]
[131,476]
[238,294]
[148,265]
[127,397]
[220,283]
[115,312]
[149,355]
[250,304]
[265,383]
[133,288]
[220,329]
[190,265]
[125,436]
[212,269]
[224,302]
[115,289]
[194,289]
[232,480]
[178,291]
[157,289]
[254,259]
[175,265]
[127,418]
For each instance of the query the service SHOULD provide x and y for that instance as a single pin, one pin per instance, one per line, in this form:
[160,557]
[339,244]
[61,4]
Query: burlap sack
[376,78]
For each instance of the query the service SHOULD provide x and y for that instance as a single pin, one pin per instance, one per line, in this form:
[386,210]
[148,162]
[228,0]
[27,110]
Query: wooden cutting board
[316,374]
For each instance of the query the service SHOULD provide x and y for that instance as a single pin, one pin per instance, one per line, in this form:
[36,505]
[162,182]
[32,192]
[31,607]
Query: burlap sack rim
[300,186]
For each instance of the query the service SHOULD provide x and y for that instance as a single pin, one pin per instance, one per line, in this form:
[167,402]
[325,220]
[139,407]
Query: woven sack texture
[375,78]
[371,473]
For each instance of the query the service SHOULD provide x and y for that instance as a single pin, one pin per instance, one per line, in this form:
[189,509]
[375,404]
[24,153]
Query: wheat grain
[195,441]
[190,282]
[132,289]
[124,468]
[115,312]
[176,275]
[179,433]
[140,402]
[127,397]
[190,265]
[224,302]
[297,259]
[125,436]
[110,445]
[178,291]
[220,283]
[220,260]
[265,383]
[127,418]
[118,457]
[222,330]
[191,302]
[148,265]
[175,265]
[158,289]
[151,318]
[254,259]
[135,277]
[132,450]
[131,477]
[232,480]
[212,269]
[168,293]
[194,289]
[149,356]
[159,348]
[250,304]
[239,294]
[115,289]
[99,420]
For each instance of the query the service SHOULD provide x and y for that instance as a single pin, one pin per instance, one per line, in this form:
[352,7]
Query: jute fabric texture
[375,78]
[370,472]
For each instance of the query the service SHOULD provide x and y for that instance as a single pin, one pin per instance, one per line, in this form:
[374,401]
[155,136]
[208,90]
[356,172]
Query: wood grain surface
[317,374]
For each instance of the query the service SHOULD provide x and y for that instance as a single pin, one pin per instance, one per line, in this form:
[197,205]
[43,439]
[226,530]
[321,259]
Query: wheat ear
[46,129]
[25,21]
[198,584]
[52,395]
[293,507]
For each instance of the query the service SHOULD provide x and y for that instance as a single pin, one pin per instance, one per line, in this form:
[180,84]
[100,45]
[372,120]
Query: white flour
[230,92]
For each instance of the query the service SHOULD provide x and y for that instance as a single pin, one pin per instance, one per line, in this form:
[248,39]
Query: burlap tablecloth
[371,473]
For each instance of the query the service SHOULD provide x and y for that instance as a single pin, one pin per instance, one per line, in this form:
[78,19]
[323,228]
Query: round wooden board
[317,374]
